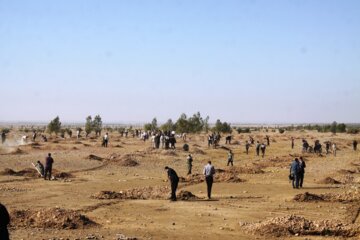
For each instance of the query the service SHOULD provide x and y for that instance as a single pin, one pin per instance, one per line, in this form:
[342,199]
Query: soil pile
[94,157]
[169,153]
[346,197]
[186,195]
[16,151]
[329,180]
[27,172]
[345,171]
[220,176]
[192,179]
[55,218]
[227,176]
[198,151]
[225,148]
[135,193]
[128,160]
[307,197]
[63,175]
[295,225]
[107,195]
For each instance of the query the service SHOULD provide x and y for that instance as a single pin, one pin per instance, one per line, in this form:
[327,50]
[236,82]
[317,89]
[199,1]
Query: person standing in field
[268,140]
[302,167]
[34,136]
[327,147]
[263,148]
[230,158]
[174,181]
[48,166]
[3,137]
[189,164]
[334,149]
[294,172]
[257,148]
[355,143]
[292,142]
[4,222]
[106,139]
[209,172]
[247,146]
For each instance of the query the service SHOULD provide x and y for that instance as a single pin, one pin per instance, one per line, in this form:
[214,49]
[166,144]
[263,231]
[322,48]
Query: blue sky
[130,61]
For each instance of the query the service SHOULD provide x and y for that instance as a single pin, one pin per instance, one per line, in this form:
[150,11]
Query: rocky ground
[121,192]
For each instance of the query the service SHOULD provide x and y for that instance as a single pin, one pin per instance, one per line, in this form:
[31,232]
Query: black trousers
[47,170]
[301,179]
[4,234]
[230,162]
[209,183]
[174,185]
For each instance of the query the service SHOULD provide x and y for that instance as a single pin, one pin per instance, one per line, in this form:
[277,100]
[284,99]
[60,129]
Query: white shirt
[209,170]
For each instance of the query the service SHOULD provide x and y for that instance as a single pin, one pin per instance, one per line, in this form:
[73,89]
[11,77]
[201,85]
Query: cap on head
[296,159]
[166,167]
[209,162]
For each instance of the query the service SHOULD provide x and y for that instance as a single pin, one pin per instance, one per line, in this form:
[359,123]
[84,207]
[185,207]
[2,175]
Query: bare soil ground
[121,192]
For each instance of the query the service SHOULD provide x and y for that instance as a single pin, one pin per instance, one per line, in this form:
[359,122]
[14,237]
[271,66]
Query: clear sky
[240,61]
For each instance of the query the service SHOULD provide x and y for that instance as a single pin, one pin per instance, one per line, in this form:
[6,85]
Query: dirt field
[121,192]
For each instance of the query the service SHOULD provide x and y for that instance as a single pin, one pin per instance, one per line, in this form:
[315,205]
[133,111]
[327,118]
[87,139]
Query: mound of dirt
[27,172]
[128,163]
[186,195]
[347,179]
[94,157]
[345,171]
[295,225]
[307,197]
[127,160]
[118,146]
[235,142]
[17,151]
[346,197]
[63,175]
[225,148]
[35,144]
[169,153]
[329,180]
[253,169]
[192,179]
[220,176]
[227,177]
[55,218]
[198,151]
[107,195]
[135,193]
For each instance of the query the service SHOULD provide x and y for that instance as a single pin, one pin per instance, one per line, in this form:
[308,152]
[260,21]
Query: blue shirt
[294,167]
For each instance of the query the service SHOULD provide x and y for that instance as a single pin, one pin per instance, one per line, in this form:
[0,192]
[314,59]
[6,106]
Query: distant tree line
[184,124]
[334,127]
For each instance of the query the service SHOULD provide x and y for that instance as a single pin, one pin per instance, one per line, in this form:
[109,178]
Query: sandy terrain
[252,200]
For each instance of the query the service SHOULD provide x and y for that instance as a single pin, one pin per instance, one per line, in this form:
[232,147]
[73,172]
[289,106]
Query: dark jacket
[302,167]
[4,221]
[49,162]
[172,175]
